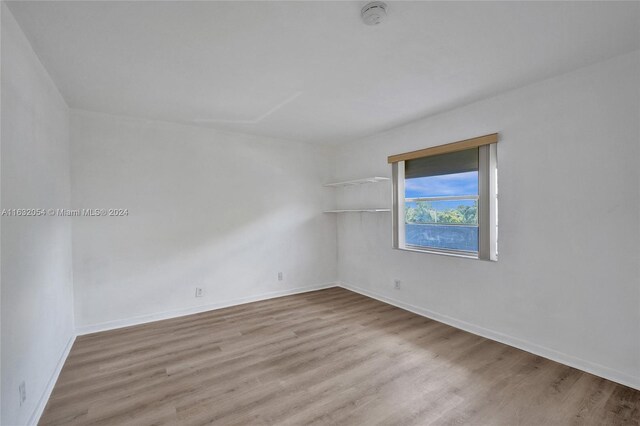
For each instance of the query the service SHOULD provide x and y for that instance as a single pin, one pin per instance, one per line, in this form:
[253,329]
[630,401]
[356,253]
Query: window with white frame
[445,199]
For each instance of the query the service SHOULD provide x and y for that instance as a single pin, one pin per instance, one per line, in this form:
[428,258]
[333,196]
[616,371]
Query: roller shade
[442,164]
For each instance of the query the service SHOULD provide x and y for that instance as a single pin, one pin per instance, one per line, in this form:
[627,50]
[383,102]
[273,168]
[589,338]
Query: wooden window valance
[444,149]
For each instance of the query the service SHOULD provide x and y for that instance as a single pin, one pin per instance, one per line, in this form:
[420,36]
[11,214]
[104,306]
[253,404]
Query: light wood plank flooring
[327,357]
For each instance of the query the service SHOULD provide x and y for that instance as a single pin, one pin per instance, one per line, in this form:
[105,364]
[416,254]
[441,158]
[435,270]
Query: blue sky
[438,186]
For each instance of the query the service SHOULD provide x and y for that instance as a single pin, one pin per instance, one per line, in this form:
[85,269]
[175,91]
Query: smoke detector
[373,13]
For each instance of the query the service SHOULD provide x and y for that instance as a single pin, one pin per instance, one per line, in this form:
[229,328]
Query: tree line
[424,212]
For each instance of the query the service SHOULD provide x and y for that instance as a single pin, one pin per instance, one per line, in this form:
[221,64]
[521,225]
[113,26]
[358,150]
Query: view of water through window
[441,212]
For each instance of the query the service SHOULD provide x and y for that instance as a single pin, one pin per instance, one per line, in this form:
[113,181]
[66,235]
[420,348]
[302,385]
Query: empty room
[320,213]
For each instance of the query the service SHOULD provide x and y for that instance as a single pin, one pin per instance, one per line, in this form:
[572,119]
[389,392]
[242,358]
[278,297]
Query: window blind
[443,164]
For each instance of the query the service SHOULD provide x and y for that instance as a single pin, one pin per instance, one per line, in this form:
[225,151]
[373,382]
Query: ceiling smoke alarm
[373,13]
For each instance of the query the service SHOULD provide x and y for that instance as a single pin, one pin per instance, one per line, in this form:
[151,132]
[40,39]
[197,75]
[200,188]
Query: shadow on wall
[208,209]
[183,259]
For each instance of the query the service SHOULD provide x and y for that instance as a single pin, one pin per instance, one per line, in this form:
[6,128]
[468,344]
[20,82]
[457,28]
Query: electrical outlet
[23,392]
[199,292]
[280,276]
[396,284]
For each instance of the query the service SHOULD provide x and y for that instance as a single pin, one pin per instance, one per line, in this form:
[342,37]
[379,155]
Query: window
[445,199]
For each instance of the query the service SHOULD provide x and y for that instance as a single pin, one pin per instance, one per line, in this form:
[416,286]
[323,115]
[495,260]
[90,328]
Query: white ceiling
[312,71]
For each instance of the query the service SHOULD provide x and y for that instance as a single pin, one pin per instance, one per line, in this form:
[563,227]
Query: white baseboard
[44,398]
[571,361]
[143,319]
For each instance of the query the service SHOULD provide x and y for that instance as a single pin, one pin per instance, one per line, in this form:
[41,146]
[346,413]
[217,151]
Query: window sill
[441,253]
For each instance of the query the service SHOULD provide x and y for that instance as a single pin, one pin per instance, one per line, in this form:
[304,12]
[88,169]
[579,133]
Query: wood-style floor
[330,357]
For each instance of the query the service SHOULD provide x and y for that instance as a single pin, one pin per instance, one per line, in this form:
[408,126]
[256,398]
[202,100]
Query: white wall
[37,294]
[221,211]
[567,282]
[227,212]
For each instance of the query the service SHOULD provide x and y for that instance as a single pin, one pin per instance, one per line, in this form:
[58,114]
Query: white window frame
[487,208]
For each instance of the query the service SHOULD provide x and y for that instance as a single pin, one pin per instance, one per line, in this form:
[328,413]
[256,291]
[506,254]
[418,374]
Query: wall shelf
[358,211]
[374,179]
